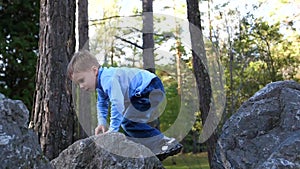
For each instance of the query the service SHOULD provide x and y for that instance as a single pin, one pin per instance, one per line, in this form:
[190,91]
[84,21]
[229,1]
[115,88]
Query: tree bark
[148,41]
[84,106]
[53,113]
[201,69]
[83,24]
[148,44]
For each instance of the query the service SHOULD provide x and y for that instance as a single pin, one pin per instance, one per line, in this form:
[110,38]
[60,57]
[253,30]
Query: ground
[187,161]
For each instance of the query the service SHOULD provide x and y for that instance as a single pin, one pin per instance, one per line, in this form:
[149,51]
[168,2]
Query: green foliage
[173,100]
[19,28]
[260,54]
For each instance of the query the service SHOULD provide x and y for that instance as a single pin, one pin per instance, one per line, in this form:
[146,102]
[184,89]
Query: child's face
[87,79]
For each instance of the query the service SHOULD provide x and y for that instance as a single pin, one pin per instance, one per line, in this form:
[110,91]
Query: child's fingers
[103,129]
[100,129]
[97,130]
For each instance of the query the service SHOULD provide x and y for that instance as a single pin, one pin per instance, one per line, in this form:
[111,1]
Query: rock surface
[107,151]
[265,132]
[19,146]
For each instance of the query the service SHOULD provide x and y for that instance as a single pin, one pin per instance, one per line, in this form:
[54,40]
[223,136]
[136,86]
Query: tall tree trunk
[178,60]
[53,113]
[200,69]
[84,107]
[148,44]
[148,41]
[178,51]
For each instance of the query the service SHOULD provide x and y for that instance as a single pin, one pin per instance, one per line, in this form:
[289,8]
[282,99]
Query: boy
[134,96]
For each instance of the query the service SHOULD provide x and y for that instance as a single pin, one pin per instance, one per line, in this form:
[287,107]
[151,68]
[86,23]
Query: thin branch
[127,41]
[132,29]
[98,21]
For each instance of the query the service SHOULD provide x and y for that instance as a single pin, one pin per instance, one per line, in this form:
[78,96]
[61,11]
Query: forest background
[257,42]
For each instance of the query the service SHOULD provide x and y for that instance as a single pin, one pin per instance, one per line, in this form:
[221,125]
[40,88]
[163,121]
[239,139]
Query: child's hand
[100,129]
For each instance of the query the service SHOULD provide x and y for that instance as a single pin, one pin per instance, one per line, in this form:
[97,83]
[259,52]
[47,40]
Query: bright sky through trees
[271,10]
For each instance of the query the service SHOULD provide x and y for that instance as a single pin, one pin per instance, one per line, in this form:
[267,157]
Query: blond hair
[80,62]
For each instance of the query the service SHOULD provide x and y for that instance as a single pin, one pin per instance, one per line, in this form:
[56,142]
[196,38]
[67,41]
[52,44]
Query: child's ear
[95,69]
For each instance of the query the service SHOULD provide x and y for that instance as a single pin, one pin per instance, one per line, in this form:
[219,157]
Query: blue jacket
[115,85]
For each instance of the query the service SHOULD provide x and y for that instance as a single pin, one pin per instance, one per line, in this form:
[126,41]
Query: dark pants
[143,109]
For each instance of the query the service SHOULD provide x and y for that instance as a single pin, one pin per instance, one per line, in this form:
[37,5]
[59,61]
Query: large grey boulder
[265,131]
[19,146]
[106,151]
